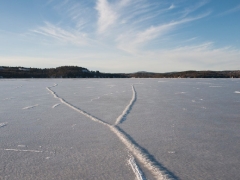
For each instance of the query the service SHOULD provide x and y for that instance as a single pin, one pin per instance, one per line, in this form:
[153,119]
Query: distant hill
[81,72]
[142,72]
[188,74]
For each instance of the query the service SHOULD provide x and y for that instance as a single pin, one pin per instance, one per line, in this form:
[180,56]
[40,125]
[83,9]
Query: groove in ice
[30,107]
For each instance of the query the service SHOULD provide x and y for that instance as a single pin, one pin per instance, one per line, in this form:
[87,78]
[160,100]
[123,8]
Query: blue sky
[121,35]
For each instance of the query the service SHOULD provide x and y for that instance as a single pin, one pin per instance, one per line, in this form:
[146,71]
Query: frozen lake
[180,129]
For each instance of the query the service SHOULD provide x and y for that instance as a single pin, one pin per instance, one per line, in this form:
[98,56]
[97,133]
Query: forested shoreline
[81,72]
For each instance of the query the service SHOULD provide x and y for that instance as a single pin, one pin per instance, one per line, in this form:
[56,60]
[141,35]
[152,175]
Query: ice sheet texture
[188,128]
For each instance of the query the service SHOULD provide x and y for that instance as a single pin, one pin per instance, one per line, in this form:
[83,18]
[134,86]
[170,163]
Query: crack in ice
[136,169]
[75,108]
[128,108]
[159,172]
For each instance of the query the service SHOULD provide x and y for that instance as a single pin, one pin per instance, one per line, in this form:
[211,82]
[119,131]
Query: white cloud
[172,6]
[107,16]
[197,57]
[189,10]
[233,10]
[124,2]
[70,36]
[81,15]
[131,41]
[121,35]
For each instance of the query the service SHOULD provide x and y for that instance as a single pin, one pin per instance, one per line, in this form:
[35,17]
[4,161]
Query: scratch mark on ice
[180,93]
[215,86]
[95,99]
[30,107]
[55,105]
[22,150]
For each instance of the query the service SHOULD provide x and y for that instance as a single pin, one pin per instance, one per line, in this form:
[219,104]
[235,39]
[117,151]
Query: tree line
[59,72]
[81,72]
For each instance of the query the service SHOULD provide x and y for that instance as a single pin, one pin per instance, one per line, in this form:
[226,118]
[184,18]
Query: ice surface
[97,97]
[194,140]
[119,129]
[59,143]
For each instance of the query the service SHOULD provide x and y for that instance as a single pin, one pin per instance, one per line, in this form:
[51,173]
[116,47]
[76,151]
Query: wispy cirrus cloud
[190,9]
[128,24]
[107,16]
[172,6]
[195,57]
[131,31]
[57,33]
[134,23]
[131,41]
[76,12]
[230,11]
